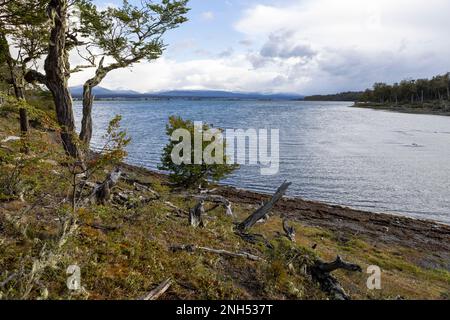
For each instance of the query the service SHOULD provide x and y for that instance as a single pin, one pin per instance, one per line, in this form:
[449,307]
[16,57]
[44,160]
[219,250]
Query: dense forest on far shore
[343,96]
[410,91]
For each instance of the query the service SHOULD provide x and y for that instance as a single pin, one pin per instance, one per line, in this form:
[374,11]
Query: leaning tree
[62,39]
[23,37]
[108,39]
[117,38]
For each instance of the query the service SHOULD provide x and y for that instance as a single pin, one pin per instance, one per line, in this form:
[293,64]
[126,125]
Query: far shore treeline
[407,91]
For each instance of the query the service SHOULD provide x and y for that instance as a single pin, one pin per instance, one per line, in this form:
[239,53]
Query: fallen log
[337,264]
[320,272]
[156,293]
[264,210]
[254,238]
[174,207]
[192,248]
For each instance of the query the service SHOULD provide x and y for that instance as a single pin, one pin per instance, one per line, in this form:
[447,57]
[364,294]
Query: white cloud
[356,42]
[311,46]
[230,73]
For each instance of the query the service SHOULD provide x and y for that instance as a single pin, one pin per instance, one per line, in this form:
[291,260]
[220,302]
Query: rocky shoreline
[429,109]
[376,228]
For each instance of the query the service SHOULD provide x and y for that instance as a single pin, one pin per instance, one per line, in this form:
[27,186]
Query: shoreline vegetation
[425,108]
[142,237]
[421,96]
[78,225]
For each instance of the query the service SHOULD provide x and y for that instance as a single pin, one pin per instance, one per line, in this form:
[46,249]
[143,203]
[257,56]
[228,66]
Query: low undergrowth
[123,250]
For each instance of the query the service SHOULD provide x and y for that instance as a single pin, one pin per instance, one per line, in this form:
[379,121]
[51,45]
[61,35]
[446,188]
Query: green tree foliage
[410,91]
[191,175]
[343,96]
[124,36]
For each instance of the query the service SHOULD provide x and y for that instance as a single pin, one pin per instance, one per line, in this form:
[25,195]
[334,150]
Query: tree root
[320,272]
[156,293]
[193,248]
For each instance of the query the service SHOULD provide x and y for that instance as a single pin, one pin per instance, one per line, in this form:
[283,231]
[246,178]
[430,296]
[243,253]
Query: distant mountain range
[103,93]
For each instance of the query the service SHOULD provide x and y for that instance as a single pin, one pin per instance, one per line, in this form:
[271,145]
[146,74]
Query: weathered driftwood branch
[156,293]
[140,187]
[100,227]
[192,248]
[206,191]
[337,264]
[10,278]
[103,192]
[290,231]
[218,200]
[254,238]
[195,215]
[174,207]
[320,271]
[265,209]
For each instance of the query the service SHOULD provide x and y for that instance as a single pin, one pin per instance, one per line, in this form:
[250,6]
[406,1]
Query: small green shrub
[189,174]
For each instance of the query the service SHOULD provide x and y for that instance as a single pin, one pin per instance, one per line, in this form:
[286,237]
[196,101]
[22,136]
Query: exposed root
[156,293]
[320,272]
[193,248]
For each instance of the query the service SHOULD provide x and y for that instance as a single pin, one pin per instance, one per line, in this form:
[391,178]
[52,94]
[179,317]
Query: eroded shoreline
[383,228]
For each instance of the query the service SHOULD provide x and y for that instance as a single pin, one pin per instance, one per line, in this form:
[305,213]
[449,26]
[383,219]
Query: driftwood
[320,271]
[103,192]
[195,215]
[337,264]
[206,191]
[265,209]
[254,238]
[156,293]
[217,200]
[6,148]
[130,201]
[290,231]
[175,208]
[192,248]
[10,278]
[101,227]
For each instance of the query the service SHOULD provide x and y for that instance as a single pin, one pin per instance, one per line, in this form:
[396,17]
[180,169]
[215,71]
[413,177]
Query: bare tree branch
[192,248]
[265,209]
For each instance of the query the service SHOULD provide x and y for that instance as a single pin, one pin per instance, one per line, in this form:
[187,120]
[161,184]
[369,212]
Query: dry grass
[132,259]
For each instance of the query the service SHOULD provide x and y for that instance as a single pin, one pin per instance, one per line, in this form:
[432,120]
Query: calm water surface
[372,160]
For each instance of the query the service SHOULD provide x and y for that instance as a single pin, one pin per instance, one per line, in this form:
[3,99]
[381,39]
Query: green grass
[131,260]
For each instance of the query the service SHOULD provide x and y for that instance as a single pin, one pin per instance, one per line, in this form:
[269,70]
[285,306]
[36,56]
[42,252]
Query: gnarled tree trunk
[17,81]
[88,100]
[57,72]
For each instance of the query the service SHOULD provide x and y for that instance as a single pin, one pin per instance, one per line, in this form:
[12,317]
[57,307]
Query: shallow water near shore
[366,159]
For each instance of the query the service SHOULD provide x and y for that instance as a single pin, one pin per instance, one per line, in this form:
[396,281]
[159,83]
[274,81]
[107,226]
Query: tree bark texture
[265,209]
[57,72]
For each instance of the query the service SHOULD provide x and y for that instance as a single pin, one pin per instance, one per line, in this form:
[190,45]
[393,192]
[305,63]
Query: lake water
[366,159]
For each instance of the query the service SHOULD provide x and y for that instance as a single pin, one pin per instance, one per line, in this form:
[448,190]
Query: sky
[294,46]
